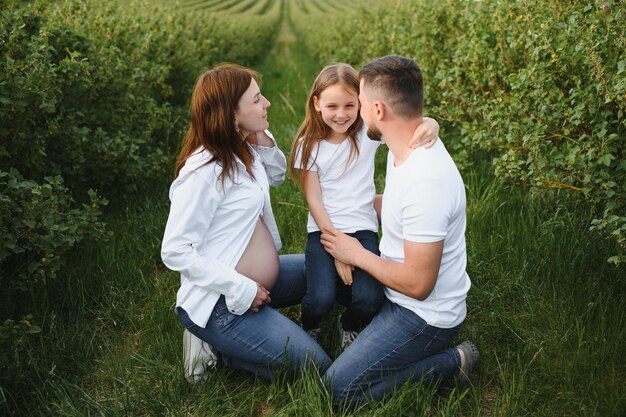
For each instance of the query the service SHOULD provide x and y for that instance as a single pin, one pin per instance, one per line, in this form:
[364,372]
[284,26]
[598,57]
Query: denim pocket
[222,315]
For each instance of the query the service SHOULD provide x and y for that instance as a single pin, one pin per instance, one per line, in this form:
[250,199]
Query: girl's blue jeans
[362,299]
[396,347]
[264,341]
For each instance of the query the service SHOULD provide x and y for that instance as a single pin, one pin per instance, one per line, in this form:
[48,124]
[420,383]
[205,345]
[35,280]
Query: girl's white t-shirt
[347,186]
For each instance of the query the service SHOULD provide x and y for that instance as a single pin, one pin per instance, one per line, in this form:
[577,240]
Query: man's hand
[342,247]
[262,297]
[344,271]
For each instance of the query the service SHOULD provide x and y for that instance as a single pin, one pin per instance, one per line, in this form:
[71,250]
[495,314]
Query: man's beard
[374,134]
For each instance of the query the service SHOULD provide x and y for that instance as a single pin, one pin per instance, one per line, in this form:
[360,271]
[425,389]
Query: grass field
[546,309]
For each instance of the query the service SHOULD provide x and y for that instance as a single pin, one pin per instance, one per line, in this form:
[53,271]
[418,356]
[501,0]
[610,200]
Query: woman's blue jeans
[396,347]
[264,341]
[362,299]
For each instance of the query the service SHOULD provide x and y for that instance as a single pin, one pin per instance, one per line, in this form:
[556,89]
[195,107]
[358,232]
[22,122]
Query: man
[423,259]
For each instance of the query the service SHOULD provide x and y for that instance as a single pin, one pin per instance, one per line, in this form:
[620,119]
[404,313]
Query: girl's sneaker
[198,357]
[346,337]
[314,333]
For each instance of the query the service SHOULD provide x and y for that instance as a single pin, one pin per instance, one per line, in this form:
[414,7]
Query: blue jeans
[362,299]
[396,347]
[265,341]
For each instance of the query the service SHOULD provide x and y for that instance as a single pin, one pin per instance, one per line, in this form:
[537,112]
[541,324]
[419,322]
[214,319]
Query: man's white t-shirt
[347,186]
[424,201]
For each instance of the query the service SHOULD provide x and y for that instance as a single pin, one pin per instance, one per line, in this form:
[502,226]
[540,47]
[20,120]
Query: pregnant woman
[222,237]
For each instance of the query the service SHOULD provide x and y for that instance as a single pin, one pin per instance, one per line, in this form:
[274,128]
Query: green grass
[546,310]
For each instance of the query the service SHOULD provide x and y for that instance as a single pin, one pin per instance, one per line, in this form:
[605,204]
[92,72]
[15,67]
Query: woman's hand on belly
[262,297]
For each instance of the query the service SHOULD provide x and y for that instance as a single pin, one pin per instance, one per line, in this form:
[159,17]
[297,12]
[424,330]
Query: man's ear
[381,110]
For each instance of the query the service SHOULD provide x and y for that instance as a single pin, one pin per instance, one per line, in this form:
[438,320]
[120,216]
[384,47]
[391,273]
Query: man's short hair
[396,80]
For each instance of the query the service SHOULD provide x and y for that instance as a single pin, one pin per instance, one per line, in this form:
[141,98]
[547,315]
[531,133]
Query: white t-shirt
[424,201]
[348,191]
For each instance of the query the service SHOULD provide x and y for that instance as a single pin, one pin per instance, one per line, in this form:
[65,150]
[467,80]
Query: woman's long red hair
[214,102]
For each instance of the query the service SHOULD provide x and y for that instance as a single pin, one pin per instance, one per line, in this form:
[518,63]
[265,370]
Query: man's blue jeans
[263,342]
[396,347]
[362,299]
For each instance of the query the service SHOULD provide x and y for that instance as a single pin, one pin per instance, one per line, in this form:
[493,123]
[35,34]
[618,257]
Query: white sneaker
[198,357]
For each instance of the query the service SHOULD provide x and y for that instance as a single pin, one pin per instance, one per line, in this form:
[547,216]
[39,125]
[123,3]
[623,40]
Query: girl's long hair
[214,102]
[313,128]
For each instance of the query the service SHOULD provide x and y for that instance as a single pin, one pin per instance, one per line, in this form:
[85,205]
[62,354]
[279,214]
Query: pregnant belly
[259,261]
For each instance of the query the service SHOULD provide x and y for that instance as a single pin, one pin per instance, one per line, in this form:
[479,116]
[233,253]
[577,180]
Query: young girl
[333,159]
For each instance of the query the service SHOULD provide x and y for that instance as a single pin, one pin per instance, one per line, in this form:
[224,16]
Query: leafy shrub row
[39,223]
[96,95]
[541,85]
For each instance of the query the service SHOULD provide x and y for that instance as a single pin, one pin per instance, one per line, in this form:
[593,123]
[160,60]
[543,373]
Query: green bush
[96,93]
[76,108]
[93,96]
[539,85]
[16,356]
[39,223]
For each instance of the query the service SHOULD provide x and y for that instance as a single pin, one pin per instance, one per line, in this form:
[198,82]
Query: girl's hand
[426,134]
[260,138]
[344,271]
[262,297]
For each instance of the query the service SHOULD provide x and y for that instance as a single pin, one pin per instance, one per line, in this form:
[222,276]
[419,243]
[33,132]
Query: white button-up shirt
[209,227]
